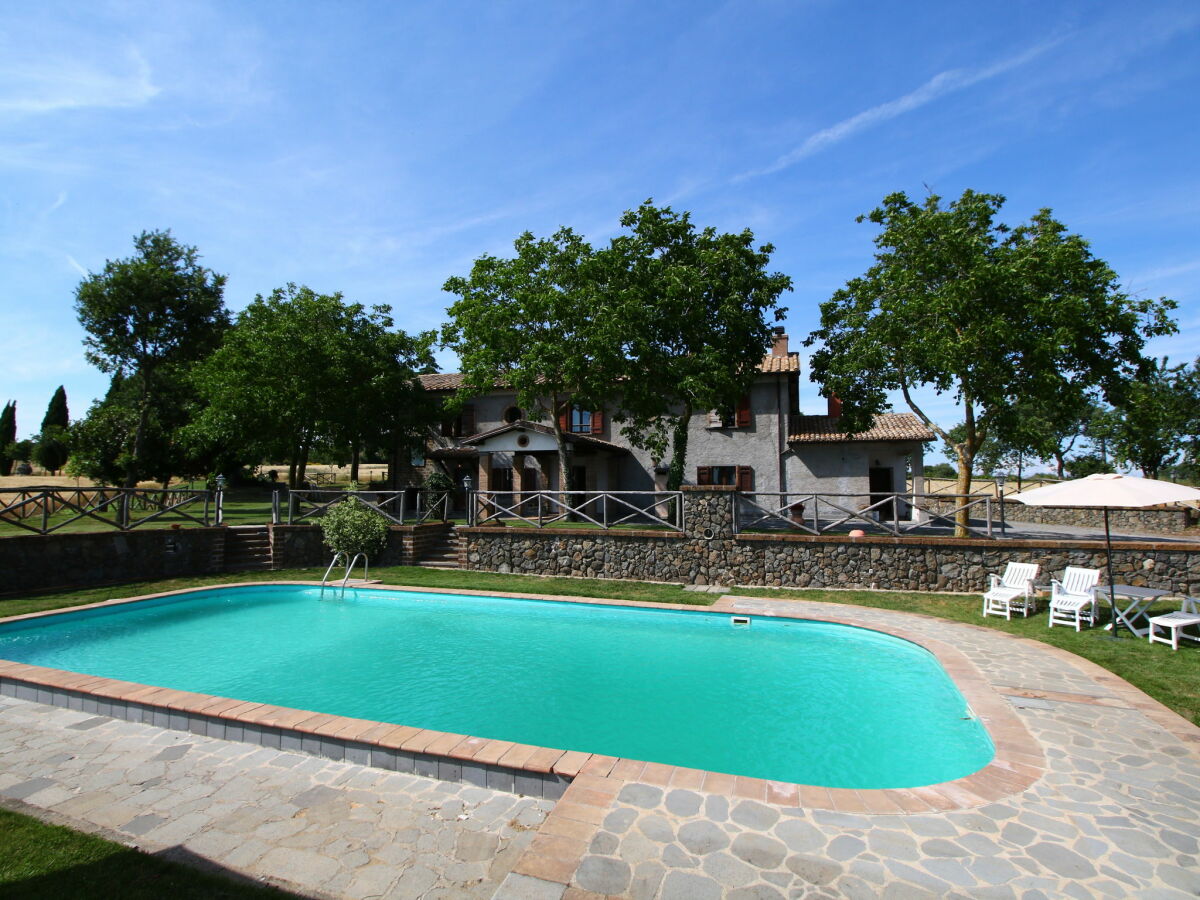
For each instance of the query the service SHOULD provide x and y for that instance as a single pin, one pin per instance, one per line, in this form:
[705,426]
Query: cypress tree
[56,412]
[8,435]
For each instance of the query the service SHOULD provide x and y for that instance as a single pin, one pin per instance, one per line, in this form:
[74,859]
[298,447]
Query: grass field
[39,861]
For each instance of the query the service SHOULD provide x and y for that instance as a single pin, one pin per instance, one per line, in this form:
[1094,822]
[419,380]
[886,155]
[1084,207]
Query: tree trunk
[1059,464]
[962,518]
[679,444]
[564,454]
[354,457]
[292,468]
[139,437]
[302,462]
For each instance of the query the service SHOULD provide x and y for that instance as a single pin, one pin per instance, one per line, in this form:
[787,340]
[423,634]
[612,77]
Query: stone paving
[314,826]
[1116,815]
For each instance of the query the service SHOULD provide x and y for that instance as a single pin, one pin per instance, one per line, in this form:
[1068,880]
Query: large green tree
[157,310]
[57,414]
[8,436]
[989,314]
[1158,417]
[693,310]
[539,324]
[301,369]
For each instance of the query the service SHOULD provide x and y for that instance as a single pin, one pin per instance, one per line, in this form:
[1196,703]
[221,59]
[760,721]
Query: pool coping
[533,770]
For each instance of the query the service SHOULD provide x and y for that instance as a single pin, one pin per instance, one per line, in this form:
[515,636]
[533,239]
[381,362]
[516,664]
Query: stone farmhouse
[766,446]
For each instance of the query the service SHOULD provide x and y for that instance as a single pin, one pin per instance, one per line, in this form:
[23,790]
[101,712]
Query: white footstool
[1174,623]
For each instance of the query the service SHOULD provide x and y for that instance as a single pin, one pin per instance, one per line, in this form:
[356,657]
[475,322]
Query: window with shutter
[742,417]
[581,421]
[745,478]
[703,475]
[467,421]
[597,422]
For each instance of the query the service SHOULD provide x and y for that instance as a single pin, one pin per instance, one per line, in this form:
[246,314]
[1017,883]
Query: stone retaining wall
[39,562]
[1148,521]
[708,552]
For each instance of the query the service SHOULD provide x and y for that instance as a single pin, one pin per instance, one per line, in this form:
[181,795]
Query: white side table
[1174,623]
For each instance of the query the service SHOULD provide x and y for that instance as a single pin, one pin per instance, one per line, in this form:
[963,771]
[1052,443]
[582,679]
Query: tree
[157,310]
[1156,418]
[694,311]
[8,435]
[57,415]
[301,368]
[51,449]
[1088,464]
[540,325]
[990,314]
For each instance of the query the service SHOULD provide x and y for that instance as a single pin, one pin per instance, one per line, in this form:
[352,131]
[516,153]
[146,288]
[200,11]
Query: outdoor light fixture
[220,482]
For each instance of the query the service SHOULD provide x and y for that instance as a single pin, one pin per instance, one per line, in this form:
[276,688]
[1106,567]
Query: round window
[513,414]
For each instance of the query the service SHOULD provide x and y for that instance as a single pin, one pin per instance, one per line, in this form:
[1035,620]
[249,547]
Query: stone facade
[708,552]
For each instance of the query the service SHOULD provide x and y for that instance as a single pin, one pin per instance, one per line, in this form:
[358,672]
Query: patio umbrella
[1107,492]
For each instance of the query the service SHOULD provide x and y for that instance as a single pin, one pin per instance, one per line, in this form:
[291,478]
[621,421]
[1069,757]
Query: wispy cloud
[41,84]
[939,85]
[74,264]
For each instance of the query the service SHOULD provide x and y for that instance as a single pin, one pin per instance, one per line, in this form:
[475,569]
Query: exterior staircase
[247,548]
[443,555]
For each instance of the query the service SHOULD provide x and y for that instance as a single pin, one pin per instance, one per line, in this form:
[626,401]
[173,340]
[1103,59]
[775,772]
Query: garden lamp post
[467,485]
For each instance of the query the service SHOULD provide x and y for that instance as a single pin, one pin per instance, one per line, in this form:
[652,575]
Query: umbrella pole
[1112,589]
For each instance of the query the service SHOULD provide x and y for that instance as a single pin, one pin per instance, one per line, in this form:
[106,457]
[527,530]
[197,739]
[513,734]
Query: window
[513,414]
[462,425]
[581,421]
[741,477]
[740,418]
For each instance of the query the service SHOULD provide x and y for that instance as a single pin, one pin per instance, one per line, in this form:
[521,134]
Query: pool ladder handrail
[340,555]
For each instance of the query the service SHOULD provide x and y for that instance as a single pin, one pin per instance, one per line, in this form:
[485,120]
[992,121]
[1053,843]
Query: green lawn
[38,861]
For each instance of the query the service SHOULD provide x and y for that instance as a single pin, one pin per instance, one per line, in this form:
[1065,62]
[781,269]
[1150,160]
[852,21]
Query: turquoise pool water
[798,701]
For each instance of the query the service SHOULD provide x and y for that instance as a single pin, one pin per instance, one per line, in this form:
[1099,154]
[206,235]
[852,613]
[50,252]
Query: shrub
[352,527]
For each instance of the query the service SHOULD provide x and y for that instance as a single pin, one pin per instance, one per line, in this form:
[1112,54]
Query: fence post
[207,497]
[291,505]
[45,512]
[124,510]
[987,504]
[274,507]
[220,507]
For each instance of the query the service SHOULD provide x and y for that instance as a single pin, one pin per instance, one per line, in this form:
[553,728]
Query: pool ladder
[344,557]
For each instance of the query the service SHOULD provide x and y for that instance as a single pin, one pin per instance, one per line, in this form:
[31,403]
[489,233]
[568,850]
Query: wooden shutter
[703,474]
[467,420]
[745,478]
[743,412]
[598,422]
[564,419]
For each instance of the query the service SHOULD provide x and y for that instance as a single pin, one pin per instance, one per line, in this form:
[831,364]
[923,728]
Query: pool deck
[1095,792]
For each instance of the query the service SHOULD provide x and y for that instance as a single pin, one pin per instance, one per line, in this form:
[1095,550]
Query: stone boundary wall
[39,562]
[708,552]
[1149,521]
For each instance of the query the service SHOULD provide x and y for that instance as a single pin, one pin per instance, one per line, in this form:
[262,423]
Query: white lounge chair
[1012,592]
[1072,601]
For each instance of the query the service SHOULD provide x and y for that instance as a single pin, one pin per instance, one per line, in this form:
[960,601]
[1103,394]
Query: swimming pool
[780,699]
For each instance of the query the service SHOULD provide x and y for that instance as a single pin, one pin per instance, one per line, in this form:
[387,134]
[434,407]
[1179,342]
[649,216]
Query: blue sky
[376,149]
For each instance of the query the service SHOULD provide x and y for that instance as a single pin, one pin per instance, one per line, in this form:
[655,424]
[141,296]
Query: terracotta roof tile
[887,427]
[452,381]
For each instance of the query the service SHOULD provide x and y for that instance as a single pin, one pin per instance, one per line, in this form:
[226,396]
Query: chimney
[835,406]
[779,343]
